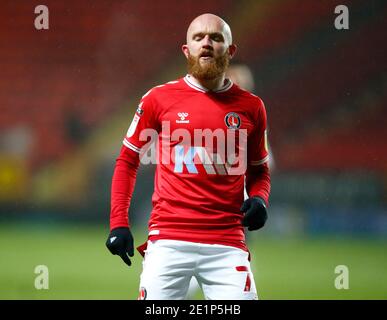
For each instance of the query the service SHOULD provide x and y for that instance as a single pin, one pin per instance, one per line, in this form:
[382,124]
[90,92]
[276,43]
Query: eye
[217,38]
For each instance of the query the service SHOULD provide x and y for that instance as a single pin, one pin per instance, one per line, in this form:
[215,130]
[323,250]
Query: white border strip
[228,86]
[259,162]
[131,146]
[202,89]
[193,86]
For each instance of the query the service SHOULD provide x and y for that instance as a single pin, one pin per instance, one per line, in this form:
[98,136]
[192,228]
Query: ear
[185,50]
[232,48]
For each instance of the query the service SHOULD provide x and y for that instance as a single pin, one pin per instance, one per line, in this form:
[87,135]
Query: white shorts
[223,272]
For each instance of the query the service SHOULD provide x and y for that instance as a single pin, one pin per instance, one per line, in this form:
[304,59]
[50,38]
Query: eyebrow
[211,34]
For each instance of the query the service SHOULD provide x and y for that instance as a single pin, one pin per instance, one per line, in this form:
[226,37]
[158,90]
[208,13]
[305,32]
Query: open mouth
[206,55]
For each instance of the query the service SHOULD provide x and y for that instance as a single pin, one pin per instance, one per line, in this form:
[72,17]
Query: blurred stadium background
[67,97]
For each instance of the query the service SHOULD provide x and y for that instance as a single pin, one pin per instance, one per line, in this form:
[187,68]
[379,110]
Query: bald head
[209,49]
[209,23]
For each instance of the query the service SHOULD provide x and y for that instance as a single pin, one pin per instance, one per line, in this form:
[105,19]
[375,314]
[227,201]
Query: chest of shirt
[206,112]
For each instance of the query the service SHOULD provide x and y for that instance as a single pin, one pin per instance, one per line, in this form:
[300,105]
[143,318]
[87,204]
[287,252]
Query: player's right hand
[120,242]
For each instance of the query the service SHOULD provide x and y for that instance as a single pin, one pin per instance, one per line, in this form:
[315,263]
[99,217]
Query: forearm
[123,183]
[258,182]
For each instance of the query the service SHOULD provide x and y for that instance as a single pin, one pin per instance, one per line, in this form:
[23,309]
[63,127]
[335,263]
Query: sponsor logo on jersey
[213,163]
[232,120]
[182,116]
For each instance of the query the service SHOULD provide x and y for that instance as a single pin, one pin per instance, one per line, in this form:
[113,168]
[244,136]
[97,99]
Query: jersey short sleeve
[144,124]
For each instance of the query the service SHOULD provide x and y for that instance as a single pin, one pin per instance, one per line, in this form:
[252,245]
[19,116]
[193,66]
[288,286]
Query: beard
[210,70]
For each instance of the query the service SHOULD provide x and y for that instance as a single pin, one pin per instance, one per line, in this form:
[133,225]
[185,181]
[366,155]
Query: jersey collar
[190,81]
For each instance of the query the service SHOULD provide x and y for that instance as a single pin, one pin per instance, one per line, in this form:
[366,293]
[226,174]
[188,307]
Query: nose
[207,42]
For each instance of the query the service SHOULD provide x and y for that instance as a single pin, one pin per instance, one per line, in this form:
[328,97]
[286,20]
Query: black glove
[120,242]
[256,215]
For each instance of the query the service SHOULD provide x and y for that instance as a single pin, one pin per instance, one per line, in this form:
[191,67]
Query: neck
[213,84]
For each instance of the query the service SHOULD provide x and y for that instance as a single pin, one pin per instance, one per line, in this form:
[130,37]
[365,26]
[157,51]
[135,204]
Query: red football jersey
[199,181]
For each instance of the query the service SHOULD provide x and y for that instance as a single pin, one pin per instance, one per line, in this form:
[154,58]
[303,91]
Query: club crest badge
[232,120]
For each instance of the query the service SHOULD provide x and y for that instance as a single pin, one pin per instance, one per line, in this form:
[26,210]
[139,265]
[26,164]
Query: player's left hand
[120,242]
[255,213]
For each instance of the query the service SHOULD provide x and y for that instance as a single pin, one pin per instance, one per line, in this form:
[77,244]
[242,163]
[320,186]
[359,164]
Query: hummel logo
[112,239]
[182,116]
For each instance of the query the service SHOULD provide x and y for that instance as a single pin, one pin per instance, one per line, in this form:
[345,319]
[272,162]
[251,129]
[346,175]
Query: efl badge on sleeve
[139,112]
[232,120]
